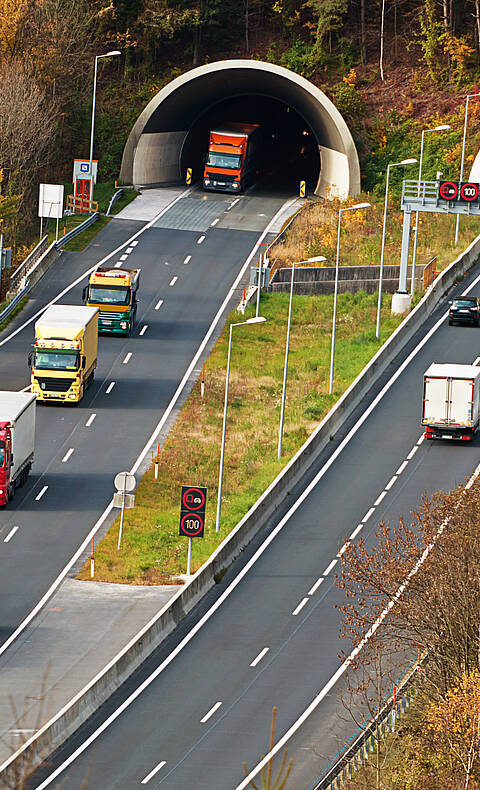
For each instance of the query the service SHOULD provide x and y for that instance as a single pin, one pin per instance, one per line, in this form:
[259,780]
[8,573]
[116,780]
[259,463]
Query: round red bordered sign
[448,190]
[193,499]
[469,192]
[191,524]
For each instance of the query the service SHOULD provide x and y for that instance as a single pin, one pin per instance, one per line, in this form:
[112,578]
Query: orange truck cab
[232,157]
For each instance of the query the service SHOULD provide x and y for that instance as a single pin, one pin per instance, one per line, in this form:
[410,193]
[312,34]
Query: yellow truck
[114,292]
[64,355]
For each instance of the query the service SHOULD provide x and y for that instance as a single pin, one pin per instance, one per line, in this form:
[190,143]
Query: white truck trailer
[17,440]
[451,401]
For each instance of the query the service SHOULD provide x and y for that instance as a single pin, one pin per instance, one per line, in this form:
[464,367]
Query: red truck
[232,157]
[17,437]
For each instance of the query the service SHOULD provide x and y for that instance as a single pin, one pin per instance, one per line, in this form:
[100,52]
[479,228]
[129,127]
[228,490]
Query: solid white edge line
[93,268]
[88,424]
[315,587]
[143,330]
[272,535]
[159,304]
[210,713]
[10,534]
[25,389]
[127,358]
[412,453]
[39,496]
[401,468]
[260,656]
[67,455]
[300,606]
[86,542]
[110,388]
[391,482]
[379,498]
[330,567]
[368,514]
[173,281]
[152,773]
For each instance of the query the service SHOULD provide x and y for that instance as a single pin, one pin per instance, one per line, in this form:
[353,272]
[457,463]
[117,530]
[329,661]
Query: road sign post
[124,483]
[192,516]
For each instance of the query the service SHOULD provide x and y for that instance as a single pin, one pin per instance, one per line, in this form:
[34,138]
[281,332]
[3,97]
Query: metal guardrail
[118,194]
[76,231]
[362,743]
[32,257]
[14,302]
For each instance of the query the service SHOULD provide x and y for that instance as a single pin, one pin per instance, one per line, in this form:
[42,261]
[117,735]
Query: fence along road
[273,639]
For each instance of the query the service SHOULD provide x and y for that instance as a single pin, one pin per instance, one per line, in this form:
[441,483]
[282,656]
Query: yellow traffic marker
[302,188]
[189,175]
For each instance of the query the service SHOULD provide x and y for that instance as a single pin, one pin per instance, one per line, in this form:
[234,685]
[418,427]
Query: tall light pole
[443,128]
[332,355]
[380,281]
[470,96]
[97,58]
[318,258]
[257,320]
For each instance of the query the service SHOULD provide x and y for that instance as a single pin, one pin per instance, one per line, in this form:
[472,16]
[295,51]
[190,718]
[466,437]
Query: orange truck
[232,157]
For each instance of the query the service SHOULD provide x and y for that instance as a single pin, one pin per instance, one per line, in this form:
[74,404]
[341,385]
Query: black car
[465,310]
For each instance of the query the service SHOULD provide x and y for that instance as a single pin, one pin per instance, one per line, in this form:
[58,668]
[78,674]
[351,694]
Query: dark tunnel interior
[289,150]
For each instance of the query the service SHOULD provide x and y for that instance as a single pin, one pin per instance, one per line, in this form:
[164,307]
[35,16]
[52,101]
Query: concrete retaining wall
[61,726]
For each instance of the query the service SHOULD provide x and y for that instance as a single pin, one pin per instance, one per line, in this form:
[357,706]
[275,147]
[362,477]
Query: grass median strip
[152,551]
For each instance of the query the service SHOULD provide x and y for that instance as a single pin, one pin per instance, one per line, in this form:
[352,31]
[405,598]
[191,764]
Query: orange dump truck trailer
[232,157]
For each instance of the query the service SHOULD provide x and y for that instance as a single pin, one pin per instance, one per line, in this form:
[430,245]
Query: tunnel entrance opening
[288,149]
[306,138]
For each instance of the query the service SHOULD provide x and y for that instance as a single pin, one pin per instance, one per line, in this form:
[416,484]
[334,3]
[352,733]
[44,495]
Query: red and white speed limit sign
[469,192]
[448,190]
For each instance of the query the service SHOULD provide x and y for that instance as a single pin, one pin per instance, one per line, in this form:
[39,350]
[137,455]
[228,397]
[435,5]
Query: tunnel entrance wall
[153,151]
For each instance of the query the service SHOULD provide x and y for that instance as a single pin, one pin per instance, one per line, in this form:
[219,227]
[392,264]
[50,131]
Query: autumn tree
[13,17]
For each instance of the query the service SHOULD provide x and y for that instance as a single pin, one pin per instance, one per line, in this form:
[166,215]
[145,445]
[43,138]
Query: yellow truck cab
[114,292]
[64,355]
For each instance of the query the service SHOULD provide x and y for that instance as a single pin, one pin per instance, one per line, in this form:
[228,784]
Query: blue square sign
[84,167]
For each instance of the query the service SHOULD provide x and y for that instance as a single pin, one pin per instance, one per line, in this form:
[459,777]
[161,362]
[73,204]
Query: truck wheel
[89,381]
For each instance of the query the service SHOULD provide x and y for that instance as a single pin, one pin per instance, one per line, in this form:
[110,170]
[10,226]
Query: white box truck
[17,440]
[451,401]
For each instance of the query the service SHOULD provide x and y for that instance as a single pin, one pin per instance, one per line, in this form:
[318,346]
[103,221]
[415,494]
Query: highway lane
[207,709]
[67,491]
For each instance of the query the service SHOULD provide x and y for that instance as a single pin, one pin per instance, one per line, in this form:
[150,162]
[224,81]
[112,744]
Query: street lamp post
[97,58]
[470,96]
[380,281]
[443,128]
[257,320]
[318,258]
[334,322]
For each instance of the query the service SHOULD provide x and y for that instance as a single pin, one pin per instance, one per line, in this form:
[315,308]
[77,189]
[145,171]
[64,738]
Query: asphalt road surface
[188,268]
[268,634]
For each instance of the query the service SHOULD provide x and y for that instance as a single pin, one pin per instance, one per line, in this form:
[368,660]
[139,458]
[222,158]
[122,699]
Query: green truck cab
[114,293]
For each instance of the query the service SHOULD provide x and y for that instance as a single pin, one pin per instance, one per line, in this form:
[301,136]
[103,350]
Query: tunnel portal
[304,135]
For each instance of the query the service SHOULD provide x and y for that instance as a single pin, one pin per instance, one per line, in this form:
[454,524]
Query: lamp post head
[316,259]
[259,319]
[442,128]
[360,205]
[408,161]
[112,53]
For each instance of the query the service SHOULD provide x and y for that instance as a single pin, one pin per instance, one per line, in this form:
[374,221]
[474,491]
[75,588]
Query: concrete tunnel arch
[153,154]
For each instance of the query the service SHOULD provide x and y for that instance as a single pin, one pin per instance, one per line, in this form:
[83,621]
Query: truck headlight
[123,324]
[207,182]
[235,185]
[72,396]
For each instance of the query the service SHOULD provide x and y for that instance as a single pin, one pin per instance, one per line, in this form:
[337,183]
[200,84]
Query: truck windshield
[114,294]
[229,161]
[55,359]
[2,452]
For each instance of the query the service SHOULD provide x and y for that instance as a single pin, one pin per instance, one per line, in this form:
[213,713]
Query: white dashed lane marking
[143,330]
[300,607]
[110,388]
[202,238]
[90,420]
[67,455]
[159,304]
[127,358]
[10,534]
[152,773]
[188,259]
[39,496]
[173,281]
[210,712]
[260,656]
